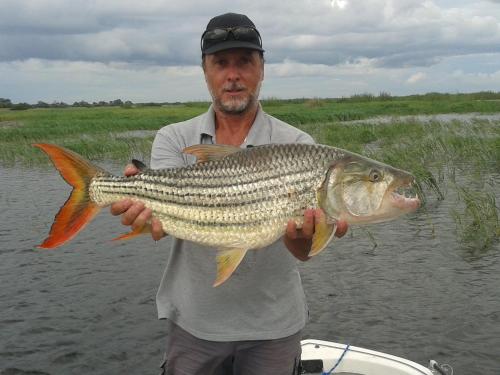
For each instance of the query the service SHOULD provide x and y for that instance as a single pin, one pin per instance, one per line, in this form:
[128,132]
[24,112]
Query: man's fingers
[142,218]
[120,207]
[157,229]
[291,230]
[342,228]
[131,214]
[308,226]
[130,170]
[311,216]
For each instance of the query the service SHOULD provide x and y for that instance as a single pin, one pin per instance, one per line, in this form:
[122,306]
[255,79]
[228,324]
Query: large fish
[239,199]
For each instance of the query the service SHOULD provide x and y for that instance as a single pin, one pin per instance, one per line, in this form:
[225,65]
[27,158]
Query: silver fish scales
[239,199]
[242,200]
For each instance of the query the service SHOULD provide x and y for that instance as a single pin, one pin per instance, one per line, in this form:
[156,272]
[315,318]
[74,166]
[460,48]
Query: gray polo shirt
[263,299]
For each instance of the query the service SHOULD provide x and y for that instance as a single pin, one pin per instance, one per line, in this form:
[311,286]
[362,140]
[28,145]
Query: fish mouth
[405,197]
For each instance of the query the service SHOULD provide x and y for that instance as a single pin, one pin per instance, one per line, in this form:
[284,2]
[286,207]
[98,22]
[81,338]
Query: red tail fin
[78,210]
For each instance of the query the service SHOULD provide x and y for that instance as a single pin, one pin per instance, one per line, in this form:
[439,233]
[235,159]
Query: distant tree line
[364,97]
[7,103]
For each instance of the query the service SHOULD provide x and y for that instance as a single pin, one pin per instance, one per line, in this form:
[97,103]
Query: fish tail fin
[78,210]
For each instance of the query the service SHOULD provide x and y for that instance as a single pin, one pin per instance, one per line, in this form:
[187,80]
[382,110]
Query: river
[89,308]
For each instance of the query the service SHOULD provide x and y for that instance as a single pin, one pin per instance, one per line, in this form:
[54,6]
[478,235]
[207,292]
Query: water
[441,118]
[88,307]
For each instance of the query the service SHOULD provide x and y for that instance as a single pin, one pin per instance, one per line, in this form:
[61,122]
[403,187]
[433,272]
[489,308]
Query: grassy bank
[454,155]
[95,132]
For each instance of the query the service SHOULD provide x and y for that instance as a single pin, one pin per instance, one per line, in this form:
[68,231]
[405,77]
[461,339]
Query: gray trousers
[189,355]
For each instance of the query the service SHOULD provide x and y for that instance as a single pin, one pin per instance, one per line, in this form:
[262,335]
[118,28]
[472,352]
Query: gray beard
[236,106]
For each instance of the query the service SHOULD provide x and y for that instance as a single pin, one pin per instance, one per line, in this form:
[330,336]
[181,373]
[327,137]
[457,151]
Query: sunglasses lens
[216,34]
[244,33]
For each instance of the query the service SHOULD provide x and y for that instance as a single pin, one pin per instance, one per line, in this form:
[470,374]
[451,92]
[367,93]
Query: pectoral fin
[323,234]
[227,261]
[323,230]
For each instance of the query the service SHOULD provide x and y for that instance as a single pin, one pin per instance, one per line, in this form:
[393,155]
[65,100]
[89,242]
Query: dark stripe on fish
[181,183]
[208,202]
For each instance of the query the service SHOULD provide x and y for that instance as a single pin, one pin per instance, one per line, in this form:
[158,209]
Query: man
[251,324]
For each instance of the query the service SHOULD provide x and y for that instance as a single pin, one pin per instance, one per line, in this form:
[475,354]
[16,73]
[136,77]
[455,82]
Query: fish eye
[375,175]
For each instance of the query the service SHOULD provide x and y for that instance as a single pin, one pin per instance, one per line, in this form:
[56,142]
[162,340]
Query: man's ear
[204,70]
[262,68]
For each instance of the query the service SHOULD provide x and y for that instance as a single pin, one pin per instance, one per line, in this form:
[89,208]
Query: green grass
[89,131]
[477,219]
[305,111]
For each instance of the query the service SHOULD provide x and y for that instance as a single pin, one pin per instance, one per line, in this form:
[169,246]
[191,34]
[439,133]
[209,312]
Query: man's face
[233,78]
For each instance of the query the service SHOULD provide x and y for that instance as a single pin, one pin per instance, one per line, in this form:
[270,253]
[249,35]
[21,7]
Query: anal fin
[227,261]
[146,229]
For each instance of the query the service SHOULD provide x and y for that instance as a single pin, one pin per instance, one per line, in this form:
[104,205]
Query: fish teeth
[407,192]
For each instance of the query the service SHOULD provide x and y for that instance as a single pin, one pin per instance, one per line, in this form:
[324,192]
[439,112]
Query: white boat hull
[321,356]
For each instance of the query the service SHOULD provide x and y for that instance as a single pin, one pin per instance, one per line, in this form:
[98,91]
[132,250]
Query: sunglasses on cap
[241,33]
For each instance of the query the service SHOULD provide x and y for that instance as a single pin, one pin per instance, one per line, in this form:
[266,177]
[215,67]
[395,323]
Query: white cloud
[340,4]
[93,81]
[414,78]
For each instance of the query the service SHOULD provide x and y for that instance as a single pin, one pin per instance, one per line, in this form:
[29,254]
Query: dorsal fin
[205,153]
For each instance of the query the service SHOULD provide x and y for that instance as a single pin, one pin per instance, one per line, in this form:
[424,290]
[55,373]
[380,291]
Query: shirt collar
[207,127]
[260,131]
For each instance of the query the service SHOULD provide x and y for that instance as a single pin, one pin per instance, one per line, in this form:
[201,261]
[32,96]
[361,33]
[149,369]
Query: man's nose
[233,72]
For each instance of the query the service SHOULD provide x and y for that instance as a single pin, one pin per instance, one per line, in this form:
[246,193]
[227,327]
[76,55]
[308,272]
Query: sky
[149,50]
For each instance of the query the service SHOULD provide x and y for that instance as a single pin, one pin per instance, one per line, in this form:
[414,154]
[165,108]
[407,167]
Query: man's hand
[135,214]
[299,241]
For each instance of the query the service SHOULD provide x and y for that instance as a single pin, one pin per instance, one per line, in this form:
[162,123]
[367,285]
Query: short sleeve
[167,150]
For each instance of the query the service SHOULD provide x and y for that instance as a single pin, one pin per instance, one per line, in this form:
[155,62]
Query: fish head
[360,190]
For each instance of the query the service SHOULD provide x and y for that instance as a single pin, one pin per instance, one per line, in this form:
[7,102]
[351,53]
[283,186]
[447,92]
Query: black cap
[229,21]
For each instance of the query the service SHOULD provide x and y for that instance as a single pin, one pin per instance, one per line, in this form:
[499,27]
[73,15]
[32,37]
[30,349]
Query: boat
[325,358]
